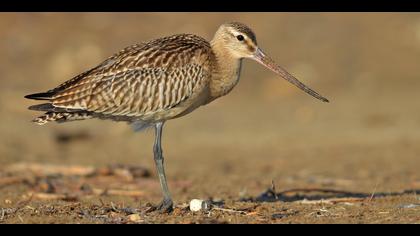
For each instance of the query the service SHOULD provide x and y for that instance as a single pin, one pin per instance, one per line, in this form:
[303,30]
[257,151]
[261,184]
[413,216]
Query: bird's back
[150,81]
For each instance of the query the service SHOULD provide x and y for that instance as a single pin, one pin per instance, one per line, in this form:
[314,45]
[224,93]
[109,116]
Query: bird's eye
[240,37]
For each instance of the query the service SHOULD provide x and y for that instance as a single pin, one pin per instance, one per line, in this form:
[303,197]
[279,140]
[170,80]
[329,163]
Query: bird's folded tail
[62,117]
[41,96]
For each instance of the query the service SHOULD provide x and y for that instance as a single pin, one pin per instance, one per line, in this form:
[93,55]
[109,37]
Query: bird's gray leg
[166,204]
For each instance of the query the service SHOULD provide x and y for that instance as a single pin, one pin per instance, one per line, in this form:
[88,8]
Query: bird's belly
[191,104]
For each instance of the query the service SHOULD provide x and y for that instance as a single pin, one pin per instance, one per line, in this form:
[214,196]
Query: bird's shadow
[320,194]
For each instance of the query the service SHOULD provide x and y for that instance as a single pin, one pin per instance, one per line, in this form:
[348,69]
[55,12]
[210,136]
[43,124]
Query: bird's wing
[105,65]
[140,80]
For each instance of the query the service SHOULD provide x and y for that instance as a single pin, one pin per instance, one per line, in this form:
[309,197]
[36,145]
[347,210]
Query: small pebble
[134,217]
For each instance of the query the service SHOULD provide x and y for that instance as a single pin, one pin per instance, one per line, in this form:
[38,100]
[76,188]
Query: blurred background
[367,64]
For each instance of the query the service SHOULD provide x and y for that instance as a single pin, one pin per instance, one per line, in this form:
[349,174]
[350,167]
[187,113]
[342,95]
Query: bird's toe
[165,206]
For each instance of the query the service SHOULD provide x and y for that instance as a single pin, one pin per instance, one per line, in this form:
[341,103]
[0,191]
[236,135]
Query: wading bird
[149,83]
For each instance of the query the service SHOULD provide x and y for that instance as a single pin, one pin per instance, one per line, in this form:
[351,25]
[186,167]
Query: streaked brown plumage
[149,83]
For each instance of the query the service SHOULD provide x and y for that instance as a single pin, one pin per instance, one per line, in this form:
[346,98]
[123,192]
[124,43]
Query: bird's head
[237,39]
[240,42]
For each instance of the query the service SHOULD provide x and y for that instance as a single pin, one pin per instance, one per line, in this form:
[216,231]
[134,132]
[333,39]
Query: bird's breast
[226,78]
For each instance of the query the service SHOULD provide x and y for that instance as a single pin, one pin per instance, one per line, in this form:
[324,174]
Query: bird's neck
[227,70]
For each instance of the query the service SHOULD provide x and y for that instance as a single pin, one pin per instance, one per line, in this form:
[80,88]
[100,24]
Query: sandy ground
[354,160]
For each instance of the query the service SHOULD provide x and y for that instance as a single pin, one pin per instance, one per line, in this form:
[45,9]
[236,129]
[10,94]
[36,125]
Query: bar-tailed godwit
[149,83]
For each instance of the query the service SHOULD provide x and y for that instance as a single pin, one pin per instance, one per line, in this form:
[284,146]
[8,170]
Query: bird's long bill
[262,58]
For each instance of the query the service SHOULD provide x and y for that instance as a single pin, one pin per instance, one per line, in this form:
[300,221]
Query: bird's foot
[165,206]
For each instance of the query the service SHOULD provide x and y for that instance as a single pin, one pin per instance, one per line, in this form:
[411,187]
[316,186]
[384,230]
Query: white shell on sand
[198,205]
